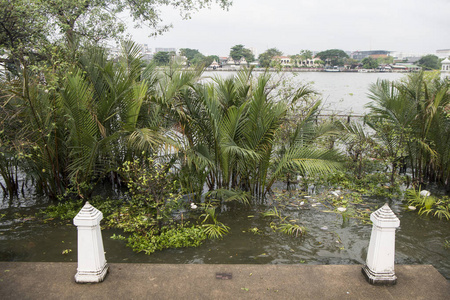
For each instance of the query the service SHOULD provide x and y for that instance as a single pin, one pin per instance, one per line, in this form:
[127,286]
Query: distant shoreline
[305,70]
[298,70]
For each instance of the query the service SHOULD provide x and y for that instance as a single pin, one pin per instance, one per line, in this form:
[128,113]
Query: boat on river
[334,69]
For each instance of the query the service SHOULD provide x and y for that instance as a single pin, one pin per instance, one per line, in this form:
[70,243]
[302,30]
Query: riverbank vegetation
[162,134]
[182,148]
[178,148]
[96,123]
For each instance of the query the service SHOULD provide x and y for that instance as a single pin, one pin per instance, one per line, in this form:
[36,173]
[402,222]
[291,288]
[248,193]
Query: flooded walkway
[209,281]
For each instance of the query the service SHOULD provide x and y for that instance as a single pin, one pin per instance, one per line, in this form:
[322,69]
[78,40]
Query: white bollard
[379,267]
[92,265]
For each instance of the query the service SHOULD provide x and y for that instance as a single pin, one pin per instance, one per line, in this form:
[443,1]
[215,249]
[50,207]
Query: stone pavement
[44,280]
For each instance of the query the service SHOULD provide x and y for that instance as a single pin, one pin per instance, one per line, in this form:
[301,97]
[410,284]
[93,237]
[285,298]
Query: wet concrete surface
[44,280]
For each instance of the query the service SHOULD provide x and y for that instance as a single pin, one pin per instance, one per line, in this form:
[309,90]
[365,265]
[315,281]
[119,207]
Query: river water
[329,240]
[341,92]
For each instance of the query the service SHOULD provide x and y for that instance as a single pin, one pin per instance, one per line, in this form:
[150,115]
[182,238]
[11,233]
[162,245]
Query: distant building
[406,56]
[243,61]
[359,55]
[445,70]
[230,61]
[406,59]
[254,51]
[404,67]
[223,60]
[309,62]
[214,65]
[284,61]
[291,61]
[443,53]
[146,52]
[165,50]
[145,48]
[413,59]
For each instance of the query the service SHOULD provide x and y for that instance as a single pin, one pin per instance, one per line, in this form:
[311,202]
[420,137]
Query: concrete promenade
[20,280]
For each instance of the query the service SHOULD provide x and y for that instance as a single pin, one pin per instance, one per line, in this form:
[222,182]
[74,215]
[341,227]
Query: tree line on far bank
[271,58]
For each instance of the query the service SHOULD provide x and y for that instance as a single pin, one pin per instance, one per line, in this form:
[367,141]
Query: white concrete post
[92,265]
[379,268]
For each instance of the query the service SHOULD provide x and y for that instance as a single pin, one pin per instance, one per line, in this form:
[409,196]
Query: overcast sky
[417,26]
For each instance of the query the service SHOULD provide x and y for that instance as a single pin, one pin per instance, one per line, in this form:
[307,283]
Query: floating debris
[341,209]
[411,207]
[324,227]
[425,193]
[336,193]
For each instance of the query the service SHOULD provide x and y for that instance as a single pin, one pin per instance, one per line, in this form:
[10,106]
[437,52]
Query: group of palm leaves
[232,130]
[79,131]
[219,135]
[412,125]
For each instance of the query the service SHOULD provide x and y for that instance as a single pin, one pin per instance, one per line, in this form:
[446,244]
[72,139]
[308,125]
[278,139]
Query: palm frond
[228,195]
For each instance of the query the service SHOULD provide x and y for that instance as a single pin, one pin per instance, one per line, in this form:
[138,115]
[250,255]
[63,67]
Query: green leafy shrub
[148,215]
[153,192]
[170,237]
[63,210]
[68,209]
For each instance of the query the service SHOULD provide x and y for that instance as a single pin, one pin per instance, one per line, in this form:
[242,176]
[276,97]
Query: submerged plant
[217,229]
[282,225]
[292,229]
[171,237]
[447,244]
[228,195]
[255,230]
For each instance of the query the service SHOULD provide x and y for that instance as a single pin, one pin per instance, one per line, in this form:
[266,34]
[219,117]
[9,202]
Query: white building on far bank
[445,70]
[214,65]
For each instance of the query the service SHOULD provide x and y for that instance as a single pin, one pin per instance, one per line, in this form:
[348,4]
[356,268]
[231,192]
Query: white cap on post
[379,268]
[92,266]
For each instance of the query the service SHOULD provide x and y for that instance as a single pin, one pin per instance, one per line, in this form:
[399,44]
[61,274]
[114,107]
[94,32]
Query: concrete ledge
[160,281]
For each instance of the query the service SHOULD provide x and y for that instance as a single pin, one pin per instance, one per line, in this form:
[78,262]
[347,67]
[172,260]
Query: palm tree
[33,124]
[411,117]
[231,127]
[73,135]
[302,152]
[104,106]
[391,116]
[358,143]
